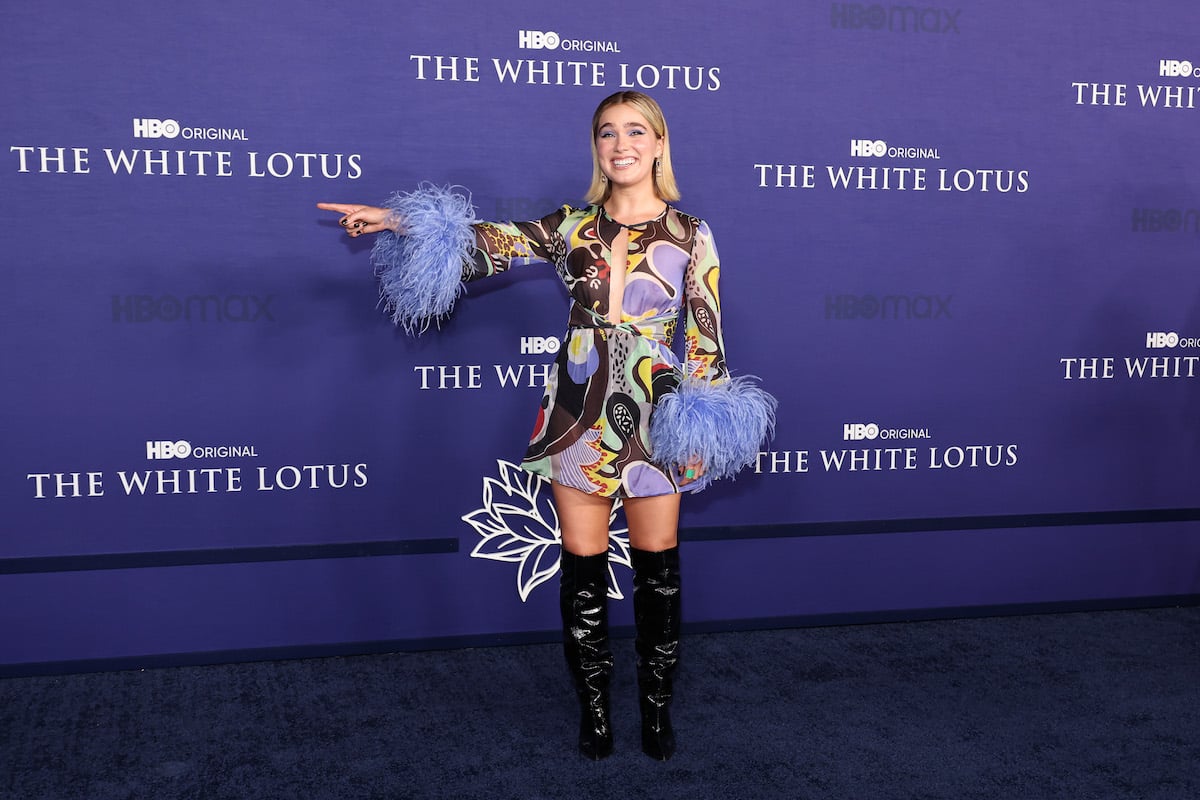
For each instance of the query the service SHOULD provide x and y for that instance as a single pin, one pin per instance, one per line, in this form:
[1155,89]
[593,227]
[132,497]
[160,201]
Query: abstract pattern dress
[591,431]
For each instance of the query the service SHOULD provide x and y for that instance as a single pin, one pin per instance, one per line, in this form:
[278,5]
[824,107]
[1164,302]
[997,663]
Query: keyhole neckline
[633,225]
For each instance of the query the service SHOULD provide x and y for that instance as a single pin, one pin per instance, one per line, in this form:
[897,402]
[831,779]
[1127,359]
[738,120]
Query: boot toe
[659,746]
[658,737]
[596,748]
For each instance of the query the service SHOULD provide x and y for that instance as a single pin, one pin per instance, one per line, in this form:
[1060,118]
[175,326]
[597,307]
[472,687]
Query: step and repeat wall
[960,243]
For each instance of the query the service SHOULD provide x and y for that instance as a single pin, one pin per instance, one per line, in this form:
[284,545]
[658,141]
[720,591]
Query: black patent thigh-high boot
[583,599]
[656,615]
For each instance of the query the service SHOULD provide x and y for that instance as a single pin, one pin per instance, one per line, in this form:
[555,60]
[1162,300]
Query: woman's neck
[632,207]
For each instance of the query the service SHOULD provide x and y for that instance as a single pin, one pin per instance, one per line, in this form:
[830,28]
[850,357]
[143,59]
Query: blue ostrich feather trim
[720,424]
[420,272]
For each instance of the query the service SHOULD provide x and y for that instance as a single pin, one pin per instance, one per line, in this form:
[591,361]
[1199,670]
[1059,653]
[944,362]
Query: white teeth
[624,162]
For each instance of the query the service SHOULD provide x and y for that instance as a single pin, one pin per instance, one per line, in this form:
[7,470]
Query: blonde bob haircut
[664,185]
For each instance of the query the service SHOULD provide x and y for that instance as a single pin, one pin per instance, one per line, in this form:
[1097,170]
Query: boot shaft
[656,612]
[583,601]
[656,597]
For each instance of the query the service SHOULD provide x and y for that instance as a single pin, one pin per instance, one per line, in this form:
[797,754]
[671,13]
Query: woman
[620,416]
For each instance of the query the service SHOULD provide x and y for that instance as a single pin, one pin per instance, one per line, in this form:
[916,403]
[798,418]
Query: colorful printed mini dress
[591,431]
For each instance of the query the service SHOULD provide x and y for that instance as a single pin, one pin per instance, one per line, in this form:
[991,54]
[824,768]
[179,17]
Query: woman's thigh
[583,519]
[653,522]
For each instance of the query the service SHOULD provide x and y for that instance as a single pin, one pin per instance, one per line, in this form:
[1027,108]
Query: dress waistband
[658,328]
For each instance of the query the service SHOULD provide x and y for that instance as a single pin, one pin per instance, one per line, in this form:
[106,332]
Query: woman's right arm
[501,245]
[430,242]
[358,220]
[425,245]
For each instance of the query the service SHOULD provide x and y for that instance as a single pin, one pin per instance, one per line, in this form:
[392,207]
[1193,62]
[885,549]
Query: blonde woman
[621,417]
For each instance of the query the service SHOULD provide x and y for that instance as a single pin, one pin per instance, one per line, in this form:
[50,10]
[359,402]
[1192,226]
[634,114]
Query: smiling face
[611,118]
[626,147]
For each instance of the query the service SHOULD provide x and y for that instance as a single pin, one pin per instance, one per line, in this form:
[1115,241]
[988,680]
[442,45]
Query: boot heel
[658,737]
[595,732]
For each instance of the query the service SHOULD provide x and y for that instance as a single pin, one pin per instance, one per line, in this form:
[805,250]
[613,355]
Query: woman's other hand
[691,472]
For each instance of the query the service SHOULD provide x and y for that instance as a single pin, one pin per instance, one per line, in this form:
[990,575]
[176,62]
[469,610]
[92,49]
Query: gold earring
[657,168]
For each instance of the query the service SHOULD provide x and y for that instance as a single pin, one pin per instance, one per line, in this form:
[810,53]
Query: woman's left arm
[712,425]
[705,347]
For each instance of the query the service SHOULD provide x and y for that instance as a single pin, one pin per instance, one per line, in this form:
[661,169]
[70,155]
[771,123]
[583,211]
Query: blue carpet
[1101,705]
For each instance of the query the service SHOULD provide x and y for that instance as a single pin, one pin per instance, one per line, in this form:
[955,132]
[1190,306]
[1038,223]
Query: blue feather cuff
[720,424]
[420,272]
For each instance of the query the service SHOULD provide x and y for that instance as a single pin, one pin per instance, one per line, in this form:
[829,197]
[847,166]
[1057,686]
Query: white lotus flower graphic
[518,524]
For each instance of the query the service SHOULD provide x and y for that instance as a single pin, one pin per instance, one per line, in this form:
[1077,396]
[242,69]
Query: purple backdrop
[960,244]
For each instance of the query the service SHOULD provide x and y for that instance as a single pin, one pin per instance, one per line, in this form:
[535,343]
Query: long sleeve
[501,245]
[705,356]
[421,272]
[710,418]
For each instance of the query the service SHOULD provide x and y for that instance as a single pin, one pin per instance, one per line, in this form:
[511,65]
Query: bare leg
[583,519]
[653,522]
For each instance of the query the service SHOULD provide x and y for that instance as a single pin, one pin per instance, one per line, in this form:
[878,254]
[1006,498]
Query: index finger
[340,208]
